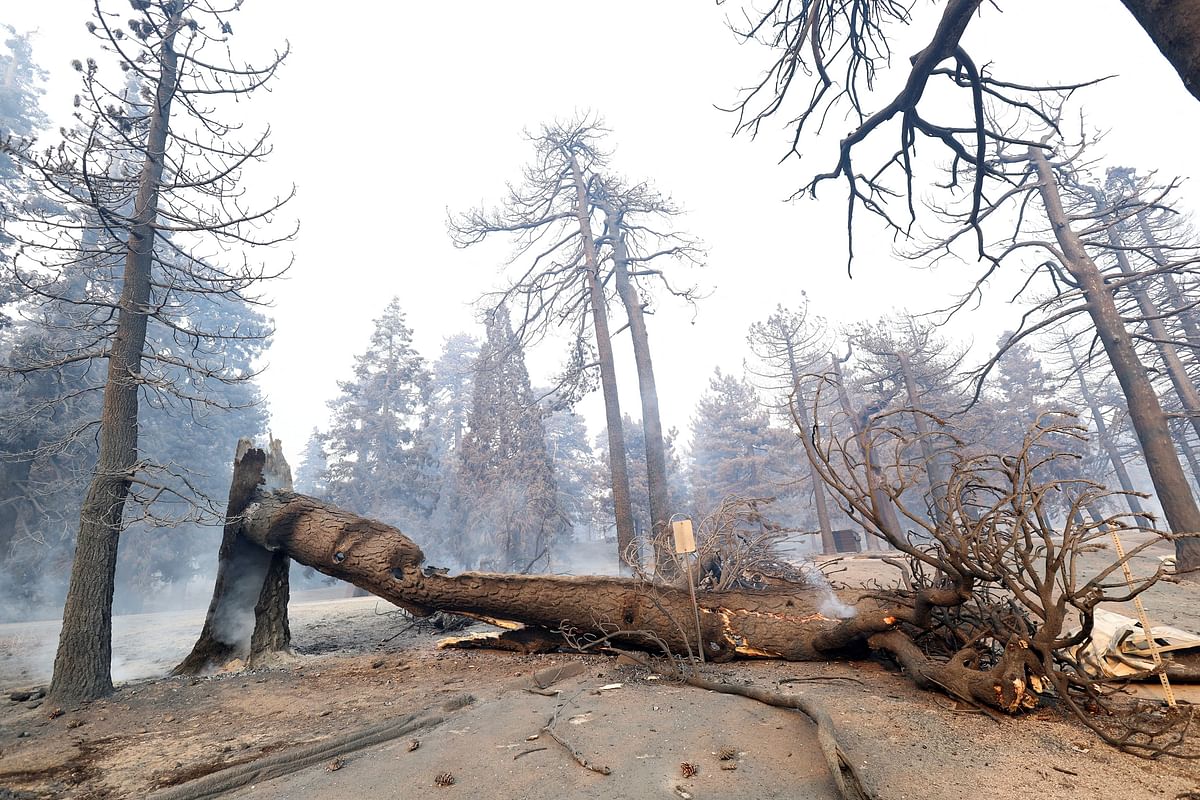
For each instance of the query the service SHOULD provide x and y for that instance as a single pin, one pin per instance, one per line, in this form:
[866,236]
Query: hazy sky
[387,114]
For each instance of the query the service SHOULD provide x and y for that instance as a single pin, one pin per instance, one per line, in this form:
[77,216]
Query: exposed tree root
[296,758]
[845,775]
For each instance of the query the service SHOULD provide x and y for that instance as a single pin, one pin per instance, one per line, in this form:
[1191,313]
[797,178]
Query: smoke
[829,605]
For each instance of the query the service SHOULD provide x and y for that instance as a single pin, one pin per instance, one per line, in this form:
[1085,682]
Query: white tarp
[1119,647]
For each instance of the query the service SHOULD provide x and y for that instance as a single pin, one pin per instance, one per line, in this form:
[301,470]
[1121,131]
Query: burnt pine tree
[148,169]
[379,456]
[559,281]
[504,467]
[792,348]
[640,247]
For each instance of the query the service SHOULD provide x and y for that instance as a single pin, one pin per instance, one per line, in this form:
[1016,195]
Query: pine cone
[444,779]
[689,770]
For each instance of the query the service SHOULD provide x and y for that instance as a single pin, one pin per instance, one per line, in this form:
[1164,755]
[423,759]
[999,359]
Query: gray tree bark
[656,456]
[82,665]
[1145,411]
[618,465]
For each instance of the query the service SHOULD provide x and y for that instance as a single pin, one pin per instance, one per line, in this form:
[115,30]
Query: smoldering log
[785,624]
[385,562]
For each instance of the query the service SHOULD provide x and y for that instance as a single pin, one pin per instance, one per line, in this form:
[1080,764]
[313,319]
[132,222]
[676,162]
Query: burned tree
[909,365]
[1075,240]
[560,282]
[638,250]
[145,180]
[791,346]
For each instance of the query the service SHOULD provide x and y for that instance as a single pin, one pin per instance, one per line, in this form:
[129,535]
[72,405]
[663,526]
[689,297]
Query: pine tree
[21,117]
[310,474]
[574,464]
[378,455]
[734,448]
[515,516]
[450,397]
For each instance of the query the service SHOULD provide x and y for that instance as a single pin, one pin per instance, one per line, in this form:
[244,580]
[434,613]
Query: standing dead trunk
[828,545]
[1185,390]
[656,456]
[618,465]
[1185,312]
[1145,411]
[934,470]
[82,665]
[885,512]
[1106,442]
[243,572]
[272,635]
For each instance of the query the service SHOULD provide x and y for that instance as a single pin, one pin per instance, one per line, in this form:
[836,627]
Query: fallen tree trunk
[385,562]
[786,624]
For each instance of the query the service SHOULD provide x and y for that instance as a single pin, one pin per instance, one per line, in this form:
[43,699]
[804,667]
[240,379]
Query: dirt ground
[353,671]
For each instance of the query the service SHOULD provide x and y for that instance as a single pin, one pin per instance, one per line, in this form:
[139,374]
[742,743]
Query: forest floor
[357,667]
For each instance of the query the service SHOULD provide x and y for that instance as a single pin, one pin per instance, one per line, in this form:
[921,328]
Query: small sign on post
[685,541]
[685,544]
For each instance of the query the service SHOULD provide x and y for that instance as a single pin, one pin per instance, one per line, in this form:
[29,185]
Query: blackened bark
[242,568]
[1145,411]
[272,634]
[1174,27]
[82,665]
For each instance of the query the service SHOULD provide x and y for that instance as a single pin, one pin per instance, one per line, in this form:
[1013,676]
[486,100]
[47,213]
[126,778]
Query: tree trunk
[885,512]
[1184,311]
[934,471]
[243,573]
[272,635]
[618,466]
[1110,448]
[775,624]
[1174,26]
[656,456]
[82,665]
[1173,365]
[828,546]
[1149,421]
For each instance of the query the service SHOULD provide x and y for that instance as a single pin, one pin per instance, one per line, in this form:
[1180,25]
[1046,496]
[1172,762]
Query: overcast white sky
[389,113]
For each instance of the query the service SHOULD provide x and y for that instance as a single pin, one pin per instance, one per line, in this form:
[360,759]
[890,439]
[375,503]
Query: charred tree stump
[272,635]
[250,595]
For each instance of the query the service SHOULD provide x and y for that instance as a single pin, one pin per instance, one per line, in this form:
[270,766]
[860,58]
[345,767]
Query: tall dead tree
[560,281]
[144,181]
[911,365]
[638,250]
[791,346]
[1033,172]
[861,421]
